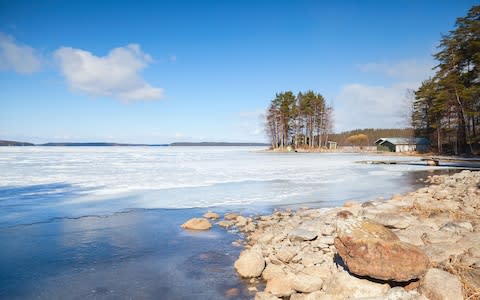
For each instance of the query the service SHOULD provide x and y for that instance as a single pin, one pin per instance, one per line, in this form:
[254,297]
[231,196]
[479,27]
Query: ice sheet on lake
[45,182]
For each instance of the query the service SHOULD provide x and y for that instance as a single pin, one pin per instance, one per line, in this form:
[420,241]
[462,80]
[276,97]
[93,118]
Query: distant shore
[107,144]
[368,150]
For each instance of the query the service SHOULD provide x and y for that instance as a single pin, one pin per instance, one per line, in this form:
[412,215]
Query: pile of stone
[422,245]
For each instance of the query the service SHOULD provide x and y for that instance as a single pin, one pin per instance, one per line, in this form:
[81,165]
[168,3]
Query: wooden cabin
[396,144]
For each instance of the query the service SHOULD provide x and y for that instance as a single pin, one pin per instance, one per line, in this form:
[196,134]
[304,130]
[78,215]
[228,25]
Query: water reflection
[139,254]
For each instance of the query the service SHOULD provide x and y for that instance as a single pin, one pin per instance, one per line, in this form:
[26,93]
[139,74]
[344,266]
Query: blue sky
[163,71]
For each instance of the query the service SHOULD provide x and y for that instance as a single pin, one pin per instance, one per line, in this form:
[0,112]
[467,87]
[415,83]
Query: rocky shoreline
[421,245]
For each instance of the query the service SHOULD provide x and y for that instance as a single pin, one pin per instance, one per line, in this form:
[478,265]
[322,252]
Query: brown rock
[225,224]
[230,216]
[351,203]
[241,221]
[280,286]
[211,215]
[250,263]
[197,224]
[370,249]
[231,293]
[299,234]
[272,271]
[343,214]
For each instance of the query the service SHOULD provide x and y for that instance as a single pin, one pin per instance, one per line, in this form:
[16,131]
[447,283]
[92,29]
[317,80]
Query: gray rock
[306,283]
[344,286]
[399,293]
[310,259]
[457,227]
[323,240]
[440,252]
[322,271]
[440,285]
[392,220]
[286,253]
[299,234]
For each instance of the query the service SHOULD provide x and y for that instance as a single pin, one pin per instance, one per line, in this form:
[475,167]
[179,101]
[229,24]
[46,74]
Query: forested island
[303,120]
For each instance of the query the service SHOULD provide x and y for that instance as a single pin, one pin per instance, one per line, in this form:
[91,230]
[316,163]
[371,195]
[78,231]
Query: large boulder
[370,249]
[250,263]
[197,224]
[440,285]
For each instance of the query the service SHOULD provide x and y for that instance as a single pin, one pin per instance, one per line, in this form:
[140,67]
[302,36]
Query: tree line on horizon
[368,136]
[446,108]
[302,121]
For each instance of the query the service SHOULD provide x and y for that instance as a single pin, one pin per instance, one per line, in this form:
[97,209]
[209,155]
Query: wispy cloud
[18,57]
[250,123]
[115,75]
[409,69]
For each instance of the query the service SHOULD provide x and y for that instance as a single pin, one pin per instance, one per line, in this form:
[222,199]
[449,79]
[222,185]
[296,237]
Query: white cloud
[115,75]
[410,69]
[380,106]
[366,106]
[17,57]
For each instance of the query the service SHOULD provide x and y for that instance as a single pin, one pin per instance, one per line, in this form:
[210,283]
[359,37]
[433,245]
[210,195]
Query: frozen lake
[104,222]
[41,183]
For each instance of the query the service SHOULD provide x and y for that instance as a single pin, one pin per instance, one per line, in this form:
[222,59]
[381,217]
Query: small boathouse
[396,144]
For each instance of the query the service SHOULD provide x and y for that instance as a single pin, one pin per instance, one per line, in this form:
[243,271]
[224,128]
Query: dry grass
[469,277]
[425,212]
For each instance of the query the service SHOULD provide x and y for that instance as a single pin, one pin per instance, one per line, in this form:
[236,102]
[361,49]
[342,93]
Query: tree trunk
[463,126]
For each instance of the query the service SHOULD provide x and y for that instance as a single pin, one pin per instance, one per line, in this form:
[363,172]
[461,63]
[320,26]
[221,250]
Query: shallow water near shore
[135,254]
[105,222]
